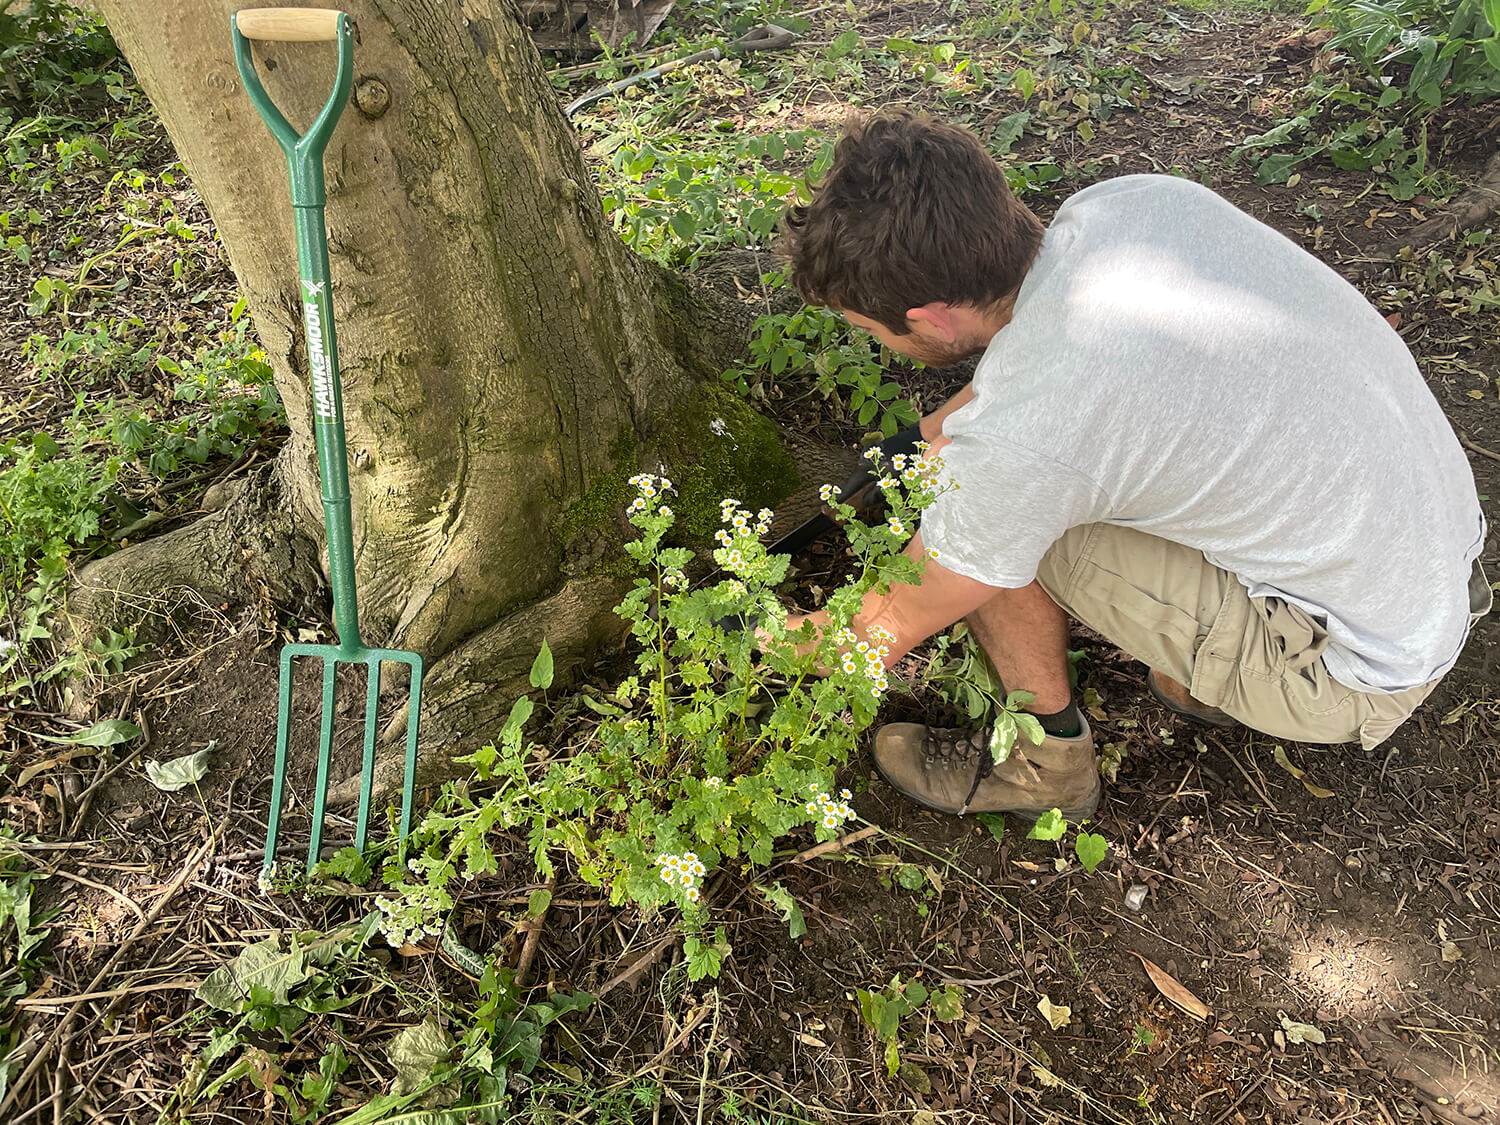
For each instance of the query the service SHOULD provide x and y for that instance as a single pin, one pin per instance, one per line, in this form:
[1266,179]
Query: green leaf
[844,44]
[1017,700]
[264,965]
[892,1058]
[106,732]
[948,1003]
[1049,826]
[538,903]
[1009,131]
[178,773]
[541,668]
[994,822]
[1003,736]
[1091,849]
[1030,727]
[781,898]
[1277,169]
[1024,82]
[417,1052]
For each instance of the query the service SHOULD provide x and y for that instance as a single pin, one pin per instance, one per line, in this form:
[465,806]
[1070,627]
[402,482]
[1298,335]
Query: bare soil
[1371,914]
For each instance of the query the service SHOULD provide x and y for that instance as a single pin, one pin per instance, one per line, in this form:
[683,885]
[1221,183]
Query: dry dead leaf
[1170,987]
[1045,1076]
[1057,1015]
[1279,753]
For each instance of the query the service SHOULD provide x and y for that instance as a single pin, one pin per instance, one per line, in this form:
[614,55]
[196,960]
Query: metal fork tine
[409,771]
[367,767]
[278,776]
[325,754]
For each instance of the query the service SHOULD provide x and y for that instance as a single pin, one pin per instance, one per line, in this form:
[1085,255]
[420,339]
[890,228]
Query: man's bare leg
[1025,634]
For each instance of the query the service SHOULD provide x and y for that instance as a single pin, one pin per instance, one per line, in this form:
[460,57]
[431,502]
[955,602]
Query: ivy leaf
[1049,826]
[178,773]
[416,1053]
[541,668]
[1091,849]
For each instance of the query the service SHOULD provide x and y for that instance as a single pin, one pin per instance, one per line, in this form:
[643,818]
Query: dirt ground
[1371,913]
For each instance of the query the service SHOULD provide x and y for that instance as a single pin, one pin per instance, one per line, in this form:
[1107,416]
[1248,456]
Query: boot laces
[955,747]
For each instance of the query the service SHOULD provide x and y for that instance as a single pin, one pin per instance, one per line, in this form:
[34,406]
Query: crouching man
[1184,431]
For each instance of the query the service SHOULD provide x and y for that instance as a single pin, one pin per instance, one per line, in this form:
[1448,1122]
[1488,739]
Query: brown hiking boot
[1176,697]
[950,769]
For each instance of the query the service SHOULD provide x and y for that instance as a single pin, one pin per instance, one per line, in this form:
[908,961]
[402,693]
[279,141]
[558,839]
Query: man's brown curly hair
[912,211]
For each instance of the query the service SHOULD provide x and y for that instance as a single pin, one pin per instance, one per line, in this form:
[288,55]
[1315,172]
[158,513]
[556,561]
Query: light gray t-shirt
[1173,365]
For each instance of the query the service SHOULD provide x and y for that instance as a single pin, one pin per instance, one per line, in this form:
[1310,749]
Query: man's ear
[935,319]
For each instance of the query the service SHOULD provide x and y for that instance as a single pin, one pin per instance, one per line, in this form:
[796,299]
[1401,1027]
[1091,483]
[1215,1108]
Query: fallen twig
[533,938]
[1470,444]
[632,971]
[62,1037]
[829,846]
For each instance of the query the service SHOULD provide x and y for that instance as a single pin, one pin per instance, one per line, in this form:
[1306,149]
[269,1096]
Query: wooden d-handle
[289,25]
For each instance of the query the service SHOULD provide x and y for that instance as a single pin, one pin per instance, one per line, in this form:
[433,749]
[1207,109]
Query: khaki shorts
[1258,659]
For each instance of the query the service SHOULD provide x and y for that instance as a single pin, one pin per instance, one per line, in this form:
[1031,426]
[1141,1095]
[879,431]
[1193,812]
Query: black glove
[860,491]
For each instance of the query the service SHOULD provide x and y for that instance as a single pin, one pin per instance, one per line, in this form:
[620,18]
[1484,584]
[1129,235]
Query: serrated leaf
[538,902]
[106,732]
[1091,848]
[264,965]
[541,668]
[1031,728]
[416,1053]
[1057,1015]
[948,1003]
[1049,826]
[178,773]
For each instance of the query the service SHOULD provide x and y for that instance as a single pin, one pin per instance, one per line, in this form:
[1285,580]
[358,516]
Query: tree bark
[502,351]
[506,360]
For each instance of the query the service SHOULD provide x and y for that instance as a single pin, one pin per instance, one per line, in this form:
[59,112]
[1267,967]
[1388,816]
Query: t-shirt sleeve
[1010,506]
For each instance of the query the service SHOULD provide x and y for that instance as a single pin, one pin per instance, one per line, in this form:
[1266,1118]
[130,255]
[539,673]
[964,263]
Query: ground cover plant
[1245,932]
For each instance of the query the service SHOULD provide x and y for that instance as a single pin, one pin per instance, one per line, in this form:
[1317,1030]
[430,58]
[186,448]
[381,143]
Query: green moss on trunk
[711,446]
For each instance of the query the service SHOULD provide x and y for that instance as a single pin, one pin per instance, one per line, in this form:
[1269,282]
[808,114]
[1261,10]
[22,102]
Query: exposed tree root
[1469,210]
[247,549]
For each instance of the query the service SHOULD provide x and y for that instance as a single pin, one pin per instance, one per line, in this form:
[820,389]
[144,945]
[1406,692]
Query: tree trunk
[507,362]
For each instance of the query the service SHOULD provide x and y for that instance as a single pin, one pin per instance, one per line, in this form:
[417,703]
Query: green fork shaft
[304,157]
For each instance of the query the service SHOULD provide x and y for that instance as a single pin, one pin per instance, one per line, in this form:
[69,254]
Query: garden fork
[304,157]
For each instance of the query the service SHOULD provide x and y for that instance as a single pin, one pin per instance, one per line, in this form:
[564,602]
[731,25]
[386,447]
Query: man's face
[923,341]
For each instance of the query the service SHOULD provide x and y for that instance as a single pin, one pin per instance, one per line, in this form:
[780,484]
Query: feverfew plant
[724,739]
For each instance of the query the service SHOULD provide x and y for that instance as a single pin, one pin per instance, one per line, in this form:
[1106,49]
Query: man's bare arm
[913,613]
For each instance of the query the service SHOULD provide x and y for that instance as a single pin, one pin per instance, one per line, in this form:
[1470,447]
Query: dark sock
[1067,723]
